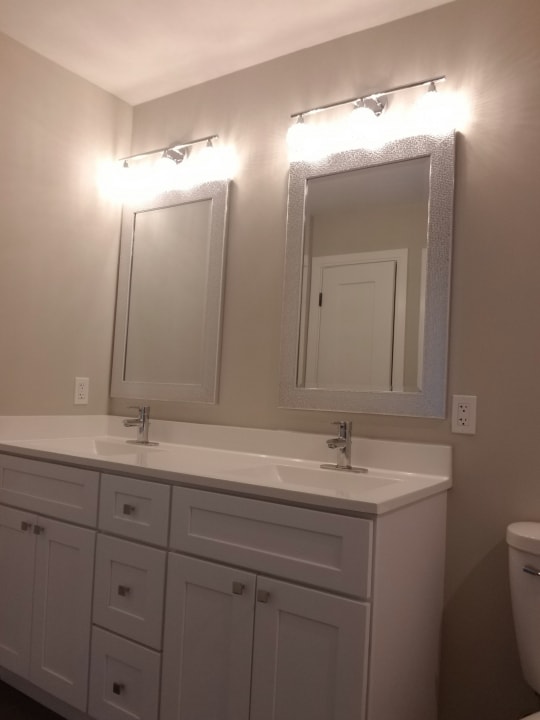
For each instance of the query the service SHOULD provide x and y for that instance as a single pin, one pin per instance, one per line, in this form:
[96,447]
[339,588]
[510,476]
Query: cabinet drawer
[62,492]
[135,508]
[129,589]
[124,679]
[308,546]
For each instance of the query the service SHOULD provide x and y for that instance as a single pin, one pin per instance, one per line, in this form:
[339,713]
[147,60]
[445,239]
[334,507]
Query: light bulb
[296,138]
[309,142]
[433,112]
[362,117]
[363,127]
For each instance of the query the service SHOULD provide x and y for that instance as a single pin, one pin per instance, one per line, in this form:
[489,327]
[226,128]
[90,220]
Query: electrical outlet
[464,414]
[82,386]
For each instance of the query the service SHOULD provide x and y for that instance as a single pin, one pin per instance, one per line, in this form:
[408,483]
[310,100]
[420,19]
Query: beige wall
[58,238]
[489,49]
[58,247]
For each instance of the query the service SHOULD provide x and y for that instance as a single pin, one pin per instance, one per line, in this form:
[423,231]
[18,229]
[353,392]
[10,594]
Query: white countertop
[277,465]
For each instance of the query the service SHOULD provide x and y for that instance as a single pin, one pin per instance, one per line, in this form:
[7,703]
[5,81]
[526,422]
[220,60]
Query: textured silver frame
[430,401]
[207,391]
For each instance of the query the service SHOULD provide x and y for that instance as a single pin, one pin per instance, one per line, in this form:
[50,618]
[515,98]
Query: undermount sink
[90,447]
[331,481]
[105,446]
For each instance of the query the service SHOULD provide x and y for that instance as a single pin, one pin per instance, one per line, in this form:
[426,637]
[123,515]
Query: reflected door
[351,324]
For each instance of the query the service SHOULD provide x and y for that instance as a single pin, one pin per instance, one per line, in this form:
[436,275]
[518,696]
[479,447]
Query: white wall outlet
[464,414]
[82,387]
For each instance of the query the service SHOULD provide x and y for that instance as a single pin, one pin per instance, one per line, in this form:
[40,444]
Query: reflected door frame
[312,285]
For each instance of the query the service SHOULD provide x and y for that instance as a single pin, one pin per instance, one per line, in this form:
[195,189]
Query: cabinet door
[17,551]
[207,642]
[309,655]
[62,610]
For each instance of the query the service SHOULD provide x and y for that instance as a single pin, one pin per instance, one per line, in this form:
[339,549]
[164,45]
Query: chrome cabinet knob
[263,596]
[238,588]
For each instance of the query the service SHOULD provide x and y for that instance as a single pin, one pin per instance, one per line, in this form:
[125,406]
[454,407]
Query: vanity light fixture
[177,151]
[379,98]
[362,129]
[174,167]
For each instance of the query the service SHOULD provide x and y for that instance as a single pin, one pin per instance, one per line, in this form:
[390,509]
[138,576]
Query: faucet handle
[143,410]
[345,427]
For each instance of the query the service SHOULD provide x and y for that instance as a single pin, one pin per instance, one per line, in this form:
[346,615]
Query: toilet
[523,540]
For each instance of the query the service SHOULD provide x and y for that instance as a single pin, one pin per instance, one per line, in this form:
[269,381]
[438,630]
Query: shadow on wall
[484,686]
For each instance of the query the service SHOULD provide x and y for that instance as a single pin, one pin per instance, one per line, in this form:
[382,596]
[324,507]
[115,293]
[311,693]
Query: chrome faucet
[343,444]
[142,423]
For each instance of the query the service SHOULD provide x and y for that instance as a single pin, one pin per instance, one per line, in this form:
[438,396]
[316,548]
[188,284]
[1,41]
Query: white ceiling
[143,49]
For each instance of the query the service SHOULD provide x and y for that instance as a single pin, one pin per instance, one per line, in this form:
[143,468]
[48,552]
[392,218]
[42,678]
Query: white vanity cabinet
[240,645]
[46,571]
[175,603]
[276,612]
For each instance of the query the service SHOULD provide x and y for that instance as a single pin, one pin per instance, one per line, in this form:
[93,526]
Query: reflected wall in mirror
[168,322]
[365,313]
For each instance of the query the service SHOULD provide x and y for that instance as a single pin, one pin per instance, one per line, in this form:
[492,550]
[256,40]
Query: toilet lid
[525,536]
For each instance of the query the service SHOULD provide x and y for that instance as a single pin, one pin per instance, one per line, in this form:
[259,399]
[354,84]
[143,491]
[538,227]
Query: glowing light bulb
[297,136]
[364,128]
[309,142]
[434,112]
[114,180]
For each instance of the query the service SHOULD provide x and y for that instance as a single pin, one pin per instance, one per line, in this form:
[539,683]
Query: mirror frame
[430,400]
[207,391]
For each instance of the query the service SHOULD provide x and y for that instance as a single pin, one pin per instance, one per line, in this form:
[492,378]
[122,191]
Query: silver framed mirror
[169,297]
[367,280]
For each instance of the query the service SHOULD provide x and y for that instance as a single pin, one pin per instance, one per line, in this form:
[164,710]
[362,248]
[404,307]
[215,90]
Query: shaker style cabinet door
[17,552]
[207,642]
[309,654]
[62,610]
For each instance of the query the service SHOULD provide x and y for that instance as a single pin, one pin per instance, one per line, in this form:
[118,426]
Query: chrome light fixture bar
[377,99]
[176,151]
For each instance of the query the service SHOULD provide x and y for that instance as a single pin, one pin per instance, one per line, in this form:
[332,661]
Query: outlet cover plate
[82,386]
[464,414]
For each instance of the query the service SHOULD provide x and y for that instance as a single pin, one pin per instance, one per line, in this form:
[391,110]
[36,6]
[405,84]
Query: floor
[16,706]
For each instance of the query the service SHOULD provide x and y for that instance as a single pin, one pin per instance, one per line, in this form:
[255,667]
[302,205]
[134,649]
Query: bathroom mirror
[367,278]
[170,287]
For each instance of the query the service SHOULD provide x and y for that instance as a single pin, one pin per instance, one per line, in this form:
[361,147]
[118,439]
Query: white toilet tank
[523,539]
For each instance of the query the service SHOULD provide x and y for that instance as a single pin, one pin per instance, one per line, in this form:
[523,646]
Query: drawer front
[135,508]
[307,546]
[65,493]
[124,679]
[129,589]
